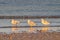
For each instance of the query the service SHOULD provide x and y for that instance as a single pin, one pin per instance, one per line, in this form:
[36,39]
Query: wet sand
[31,36]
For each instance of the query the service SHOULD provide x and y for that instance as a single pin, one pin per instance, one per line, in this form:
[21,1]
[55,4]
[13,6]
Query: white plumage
[45,22]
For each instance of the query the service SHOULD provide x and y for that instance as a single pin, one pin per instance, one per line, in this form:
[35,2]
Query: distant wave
[3,3]
[52,4]
[9,11]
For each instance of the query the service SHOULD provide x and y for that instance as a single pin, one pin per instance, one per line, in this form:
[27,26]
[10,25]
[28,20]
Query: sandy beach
[31,36]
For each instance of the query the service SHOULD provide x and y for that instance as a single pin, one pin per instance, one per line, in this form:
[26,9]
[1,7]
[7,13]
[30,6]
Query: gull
[45,23]
[14,22]
[31,23]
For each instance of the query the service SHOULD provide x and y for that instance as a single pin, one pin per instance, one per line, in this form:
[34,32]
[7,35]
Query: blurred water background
[29,8]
